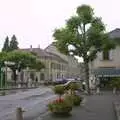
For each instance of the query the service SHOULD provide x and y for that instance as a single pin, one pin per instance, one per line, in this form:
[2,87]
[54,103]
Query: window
[42,76]
[106,55]
[32,76]
[22,76]
[58,75]
[52,66]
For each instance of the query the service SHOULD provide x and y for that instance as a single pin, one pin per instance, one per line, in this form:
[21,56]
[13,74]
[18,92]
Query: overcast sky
[33,21]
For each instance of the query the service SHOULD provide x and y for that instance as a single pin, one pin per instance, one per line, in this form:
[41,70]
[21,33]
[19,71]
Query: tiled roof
[44,54]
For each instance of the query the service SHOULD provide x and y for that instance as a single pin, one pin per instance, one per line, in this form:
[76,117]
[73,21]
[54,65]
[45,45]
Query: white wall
[73,65]
[113,62]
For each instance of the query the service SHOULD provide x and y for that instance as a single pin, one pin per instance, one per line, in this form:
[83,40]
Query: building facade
[107,64]
[73,67]
[57,66]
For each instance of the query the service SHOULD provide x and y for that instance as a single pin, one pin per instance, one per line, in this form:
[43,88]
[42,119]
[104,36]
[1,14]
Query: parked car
[74,81]
[60,81]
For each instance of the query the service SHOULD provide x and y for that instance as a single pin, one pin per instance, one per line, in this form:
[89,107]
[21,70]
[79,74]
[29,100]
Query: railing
[20,85]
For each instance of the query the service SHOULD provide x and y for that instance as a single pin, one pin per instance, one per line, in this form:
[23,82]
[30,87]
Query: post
[114,90]
[19,113]
[5,75]
[98,90]
[1,78]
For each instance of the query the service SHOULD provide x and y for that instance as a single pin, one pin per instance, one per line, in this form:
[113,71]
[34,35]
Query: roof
[52,44]
[115,33]
[44,54]
[107,72]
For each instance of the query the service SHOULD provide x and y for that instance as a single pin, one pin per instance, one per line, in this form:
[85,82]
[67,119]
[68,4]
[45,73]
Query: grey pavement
[96,107]
[31,101]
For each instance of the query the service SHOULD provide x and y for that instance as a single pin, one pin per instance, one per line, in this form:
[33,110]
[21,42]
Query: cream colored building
[73,68]
[57,66]
[107,64]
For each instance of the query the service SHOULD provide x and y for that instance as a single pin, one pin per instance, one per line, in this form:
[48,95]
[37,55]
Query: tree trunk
[14,76]
[87,77]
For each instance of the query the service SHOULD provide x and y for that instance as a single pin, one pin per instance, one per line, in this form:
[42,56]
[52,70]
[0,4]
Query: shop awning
[107,72]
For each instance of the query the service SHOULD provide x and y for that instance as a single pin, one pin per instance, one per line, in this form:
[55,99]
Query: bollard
[98,90]
[114,90]
[19,113]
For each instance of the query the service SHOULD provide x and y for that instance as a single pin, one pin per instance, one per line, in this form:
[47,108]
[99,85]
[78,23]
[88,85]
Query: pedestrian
[36,81]
[83,86]
[98,89]
[29,82]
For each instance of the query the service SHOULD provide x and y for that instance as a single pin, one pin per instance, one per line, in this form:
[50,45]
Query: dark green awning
[107,72]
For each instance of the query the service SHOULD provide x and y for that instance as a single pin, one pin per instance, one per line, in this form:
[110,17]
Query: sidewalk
[96,107]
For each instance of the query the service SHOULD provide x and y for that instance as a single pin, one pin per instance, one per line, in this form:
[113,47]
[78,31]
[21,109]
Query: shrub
[59,89]
[115,83]
[74,100]
[72,86]
[77,100]
[60,106]
[3,93]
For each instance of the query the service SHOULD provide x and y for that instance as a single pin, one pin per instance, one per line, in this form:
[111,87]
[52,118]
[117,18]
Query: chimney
[31,48]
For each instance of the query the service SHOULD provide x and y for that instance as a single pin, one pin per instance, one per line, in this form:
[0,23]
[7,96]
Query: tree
[6,45]
[83,36]
[59,89]
[115,84]
[13,43]
[21,60]
[38,65]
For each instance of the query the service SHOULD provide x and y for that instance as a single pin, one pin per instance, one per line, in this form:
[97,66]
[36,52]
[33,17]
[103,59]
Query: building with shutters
[57,66]
[107,64]
[73,68]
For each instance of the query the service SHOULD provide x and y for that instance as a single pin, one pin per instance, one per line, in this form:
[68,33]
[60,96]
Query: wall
[73,69]
[113,62]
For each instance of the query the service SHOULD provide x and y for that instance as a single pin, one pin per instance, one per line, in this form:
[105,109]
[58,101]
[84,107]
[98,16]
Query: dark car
[60,81]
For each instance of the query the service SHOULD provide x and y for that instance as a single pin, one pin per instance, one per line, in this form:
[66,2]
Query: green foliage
[84,39]
[115,83]
[72,86]
[59,89]
[6,45]
[3,93]
[77,100]
[86,34]
[38,65]
[21,60]
[74,100]
[60,106]
[3,57]
[13,43]
[85,12]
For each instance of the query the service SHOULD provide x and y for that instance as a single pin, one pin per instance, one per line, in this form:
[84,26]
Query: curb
[116,107]
[18,88]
